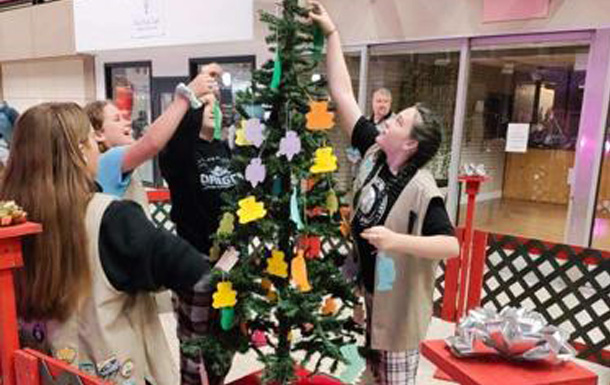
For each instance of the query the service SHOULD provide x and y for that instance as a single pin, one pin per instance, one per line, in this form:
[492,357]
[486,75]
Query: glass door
[539,87]
[414,73]
[128,85]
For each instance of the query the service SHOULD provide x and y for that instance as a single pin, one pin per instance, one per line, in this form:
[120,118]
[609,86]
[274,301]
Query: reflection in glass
[543,87]
[429,78]
[131,92]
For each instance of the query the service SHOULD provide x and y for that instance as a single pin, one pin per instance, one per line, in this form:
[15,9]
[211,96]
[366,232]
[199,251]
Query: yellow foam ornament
[240,136]
[225,296]
[250,210]
[319,118]
[276,265]
[325,161]
[298,269]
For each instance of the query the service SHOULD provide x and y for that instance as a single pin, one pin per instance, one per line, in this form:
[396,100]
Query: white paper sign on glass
[517,137]
[103,25]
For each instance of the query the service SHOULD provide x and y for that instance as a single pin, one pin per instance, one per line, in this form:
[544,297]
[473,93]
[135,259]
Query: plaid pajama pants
[389,368]
[195,316]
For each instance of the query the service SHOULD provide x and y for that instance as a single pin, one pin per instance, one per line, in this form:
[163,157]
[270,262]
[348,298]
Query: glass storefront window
[429,78]
[128,85]
[601,224]
[236,77]
[528,193]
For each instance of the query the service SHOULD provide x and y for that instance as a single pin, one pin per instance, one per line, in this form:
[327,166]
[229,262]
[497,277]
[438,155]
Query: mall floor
[532,220]
[543,221]
[247,363]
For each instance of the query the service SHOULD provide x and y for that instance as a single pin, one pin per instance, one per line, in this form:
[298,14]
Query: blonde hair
[383,92]
[47,175]
[95,113]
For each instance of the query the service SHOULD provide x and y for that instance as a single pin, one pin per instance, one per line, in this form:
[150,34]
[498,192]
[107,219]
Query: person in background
[8,118]
[382,107]
[84,293]
[122,154]
[197,170]
[400,226]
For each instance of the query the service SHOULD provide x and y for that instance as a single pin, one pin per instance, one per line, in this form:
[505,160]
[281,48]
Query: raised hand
[319,15]
[207,81]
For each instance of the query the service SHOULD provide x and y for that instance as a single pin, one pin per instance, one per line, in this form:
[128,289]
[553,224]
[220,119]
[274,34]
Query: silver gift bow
[472,169]
[517,334]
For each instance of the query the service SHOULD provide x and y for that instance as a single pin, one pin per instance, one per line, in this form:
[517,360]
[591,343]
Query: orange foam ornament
[266,284]
[298,269]
[319,118]
[330,306]
[272,296]
[345,228]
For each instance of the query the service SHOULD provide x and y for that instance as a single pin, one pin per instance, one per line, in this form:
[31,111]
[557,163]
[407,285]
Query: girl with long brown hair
[84,291]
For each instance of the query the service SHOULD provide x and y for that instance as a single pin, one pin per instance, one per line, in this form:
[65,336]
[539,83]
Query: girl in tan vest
[84,292]
[400,225]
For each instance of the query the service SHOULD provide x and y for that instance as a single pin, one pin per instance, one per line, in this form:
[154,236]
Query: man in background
[382,107]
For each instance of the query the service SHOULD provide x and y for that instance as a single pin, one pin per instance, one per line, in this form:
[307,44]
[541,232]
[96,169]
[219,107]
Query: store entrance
[541,88]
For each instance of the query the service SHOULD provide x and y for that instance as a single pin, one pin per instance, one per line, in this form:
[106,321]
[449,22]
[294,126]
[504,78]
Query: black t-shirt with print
[198,173]
[379,200]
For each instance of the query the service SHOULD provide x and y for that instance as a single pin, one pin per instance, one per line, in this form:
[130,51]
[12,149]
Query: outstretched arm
[338,76]
[162,129]
[429,247]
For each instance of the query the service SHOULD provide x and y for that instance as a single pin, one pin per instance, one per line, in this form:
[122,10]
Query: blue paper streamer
[295,214]
[386,273]
[356,365]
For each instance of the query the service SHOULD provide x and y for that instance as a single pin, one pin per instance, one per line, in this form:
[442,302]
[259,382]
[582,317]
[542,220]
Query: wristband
[184,91]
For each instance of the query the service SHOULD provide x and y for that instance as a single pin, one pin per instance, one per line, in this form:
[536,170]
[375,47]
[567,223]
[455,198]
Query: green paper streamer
[277,187]
[227,318]
[294,210]
[277,71]
[318,43]
[217,121]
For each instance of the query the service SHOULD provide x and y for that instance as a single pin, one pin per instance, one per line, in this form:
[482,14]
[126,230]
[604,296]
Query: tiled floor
[246,364]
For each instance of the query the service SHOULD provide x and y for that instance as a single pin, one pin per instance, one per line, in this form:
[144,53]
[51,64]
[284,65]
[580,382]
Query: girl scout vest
[114,335]
[404,284]
[136,192]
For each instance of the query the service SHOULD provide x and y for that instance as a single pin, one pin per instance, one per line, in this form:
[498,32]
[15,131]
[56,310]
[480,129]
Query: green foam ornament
[227,318]
[227,224]
[318,43]
[332,202]
[217,121]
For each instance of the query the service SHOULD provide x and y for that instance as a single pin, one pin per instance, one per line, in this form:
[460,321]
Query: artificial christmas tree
[282,285]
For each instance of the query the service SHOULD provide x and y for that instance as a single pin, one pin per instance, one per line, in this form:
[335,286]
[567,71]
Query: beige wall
[373,21]
[37,32]
[35,81]
[47,31]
